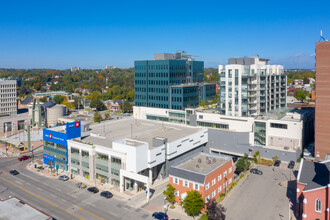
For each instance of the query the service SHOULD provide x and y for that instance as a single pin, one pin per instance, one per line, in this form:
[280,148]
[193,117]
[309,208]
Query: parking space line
[31,193]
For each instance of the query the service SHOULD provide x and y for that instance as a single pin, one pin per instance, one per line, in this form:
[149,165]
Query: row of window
[277,125]
[186,183]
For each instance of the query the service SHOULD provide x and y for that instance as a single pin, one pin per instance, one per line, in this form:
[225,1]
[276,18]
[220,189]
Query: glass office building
[171,81]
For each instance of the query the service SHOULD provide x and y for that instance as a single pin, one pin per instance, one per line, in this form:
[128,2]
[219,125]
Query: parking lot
[261,196]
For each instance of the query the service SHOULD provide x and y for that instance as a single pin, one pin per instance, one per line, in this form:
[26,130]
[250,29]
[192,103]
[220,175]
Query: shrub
[298,159]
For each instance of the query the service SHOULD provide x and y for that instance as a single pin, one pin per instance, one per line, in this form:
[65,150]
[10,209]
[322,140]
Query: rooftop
[14,208]
[202,163]
[314,175]
[139,130]
[197,167]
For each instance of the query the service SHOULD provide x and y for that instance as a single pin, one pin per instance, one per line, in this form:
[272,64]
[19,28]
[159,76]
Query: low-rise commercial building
[132,154]
[56,144]
[313,190]
[207,174]
[283,134]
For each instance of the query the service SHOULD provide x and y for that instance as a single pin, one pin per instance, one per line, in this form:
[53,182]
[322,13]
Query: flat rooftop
[106,132]
[14,208]
[202,163]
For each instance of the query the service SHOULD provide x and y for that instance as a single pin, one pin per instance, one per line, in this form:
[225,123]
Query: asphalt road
[260,196]
[61,200]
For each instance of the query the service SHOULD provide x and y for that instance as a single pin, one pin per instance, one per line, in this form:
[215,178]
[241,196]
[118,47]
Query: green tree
[193,203]
[243,164]
[97,117]
[69,105]
[43,99]
[59,99]
[126,107]
[301,95]
[106,116]
[169,193]
[215,211]
[98,104]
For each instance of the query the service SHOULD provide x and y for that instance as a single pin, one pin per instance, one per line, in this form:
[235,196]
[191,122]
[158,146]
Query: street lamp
[165,206]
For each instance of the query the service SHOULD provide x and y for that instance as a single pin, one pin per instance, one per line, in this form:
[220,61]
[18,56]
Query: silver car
[63,177]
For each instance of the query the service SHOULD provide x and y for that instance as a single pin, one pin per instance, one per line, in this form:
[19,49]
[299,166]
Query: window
[276,125]
[207,186]
[207,198]
[219,189]
[224,185]
[196,186]
[213,181]
[229,181]
[219,177]
[185,183]
[230,169]
[177,193]
[176,180]
[213,193]
[318,205]
[225,173]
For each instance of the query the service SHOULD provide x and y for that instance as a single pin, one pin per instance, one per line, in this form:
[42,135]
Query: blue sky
[92,34]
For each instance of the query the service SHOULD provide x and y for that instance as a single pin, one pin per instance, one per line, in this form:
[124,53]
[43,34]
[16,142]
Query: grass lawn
[203,217]
[265,162]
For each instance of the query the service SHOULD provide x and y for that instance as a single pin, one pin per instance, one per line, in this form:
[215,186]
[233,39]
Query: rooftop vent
[199,160]
[197,165]
[209,162]
[214,160]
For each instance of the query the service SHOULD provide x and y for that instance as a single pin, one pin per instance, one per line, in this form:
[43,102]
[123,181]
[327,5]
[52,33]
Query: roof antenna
[322,38]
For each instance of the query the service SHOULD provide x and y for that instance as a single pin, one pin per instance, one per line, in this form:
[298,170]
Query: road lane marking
[89,213]
[31,193]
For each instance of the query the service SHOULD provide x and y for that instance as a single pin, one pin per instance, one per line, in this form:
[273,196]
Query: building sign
[49,160]
[73,130]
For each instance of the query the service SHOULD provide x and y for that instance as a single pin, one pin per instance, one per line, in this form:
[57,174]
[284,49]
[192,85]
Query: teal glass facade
[154,78]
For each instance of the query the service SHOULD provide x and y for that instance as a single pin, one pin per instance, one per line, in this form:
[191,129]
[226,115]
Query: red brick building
[210,175]
[322,100]
[313,191]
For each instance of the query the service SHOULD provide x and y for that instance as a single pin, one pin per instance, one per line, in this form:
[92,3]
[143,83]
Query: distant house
[26,102]
[208,174]
[112,105]
[298,82]
[313,190]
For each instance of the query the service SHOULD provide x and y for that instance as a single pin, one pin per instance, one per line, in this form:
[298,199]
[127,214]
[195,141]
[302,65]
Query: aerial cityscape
[175,110]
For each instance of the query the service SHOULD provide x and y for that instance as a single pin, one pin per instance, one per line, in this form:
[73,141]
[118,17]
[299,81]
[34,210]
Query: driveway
[261,196]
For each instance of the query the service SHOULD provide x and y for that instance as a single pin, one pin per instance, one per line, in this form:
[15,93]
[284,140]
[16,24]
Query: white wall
[141,112]
[136,156]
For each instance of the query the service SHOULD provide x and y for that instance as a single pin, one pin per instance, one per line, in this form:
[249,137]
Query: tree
[301,94]
[242,164]
[59,99]
[106,116]
[193,203]
[126,106]
[97,117]
[69,105]
[43,99]
[169,193]
[215,211]
[96,103]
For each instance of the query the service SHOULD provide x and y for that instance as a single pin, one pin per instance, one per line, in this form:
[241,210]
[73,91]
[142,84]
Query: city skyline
[62,35]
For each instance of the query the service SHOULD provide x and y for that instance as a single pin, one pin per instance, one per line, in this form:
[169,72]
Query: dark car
[291,165]
[256,171]
[277,163]
[93,189]
[160,215]
[14,172]
[106,194]
[24,158]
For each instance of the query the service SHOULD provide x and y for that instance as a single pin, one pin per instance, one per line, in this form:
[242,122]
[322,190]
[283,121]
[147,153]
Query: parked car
[63,177]
[277,163]
[256,171]
[93,189]
[81,185]
[14,172]
[25,157]
[160,215]
[291,164]
[106,194]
